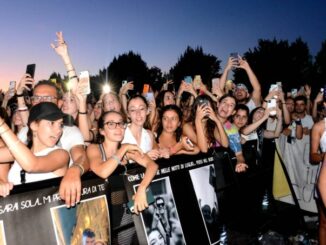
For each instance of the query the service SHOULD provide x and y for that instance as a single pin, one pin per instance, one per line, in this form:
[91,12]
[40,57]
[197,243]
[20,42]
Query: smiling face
[155,238]
[111,103]
[112,127]
[47,132]
[69,105]
[290,104]
[170,121]
[137,111]
[240,118]
[226,107]
[241,94]
[258,114]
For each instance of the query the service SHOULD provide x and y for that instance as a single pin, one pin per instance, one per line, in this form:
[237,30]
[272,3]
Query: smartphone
[150,199]
[270,104]
[279,85]
[83,86]
[197,81]
[203,101]
[12,87]
[145,88]
[235,56]
[294,92]
[301,91]
[215,82]
[188,79]
[124,82]
[30,69]
[149,96]
[273,87]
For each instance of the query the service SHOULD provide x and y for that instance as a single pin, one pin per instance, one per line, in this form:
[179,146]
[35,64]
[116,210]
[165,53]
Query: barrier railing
[194,197]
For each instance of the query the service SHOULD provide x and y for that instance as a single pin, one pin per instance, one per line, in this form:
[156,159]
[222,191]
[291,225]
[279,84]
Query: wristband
[116,158]
[72,77]
[20,95]
[298,122]
[81,168]
[83,113]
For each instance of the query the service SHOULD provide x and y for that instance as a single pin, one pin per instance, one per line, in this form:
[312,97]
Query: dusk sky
[160,31]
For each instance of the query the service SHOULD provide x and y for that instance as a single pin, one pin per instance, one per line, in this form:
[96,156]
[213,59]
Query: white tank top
[323,139]
[146,143]
[14,172]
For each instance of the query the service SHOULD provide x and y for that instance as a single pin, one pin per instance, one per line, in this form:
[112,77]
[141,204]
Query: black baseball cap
[49,111]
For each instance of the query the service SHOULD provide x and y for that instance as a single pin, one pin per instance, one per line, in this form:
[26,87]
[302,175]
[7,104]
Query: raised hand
[26,82]
[60,47]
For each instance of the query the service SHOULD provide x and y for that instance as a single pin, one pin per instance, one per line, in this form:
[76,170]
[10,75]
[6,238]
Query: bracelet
[14,145]
[81,168]
[116,158]
[72,77]
[82,113]
[266,101]
[20,95]
[71,70]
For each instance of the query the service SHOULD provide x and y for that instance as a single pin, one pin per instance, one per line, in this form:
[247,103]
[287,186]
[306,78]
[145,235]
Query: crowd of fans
[55,133]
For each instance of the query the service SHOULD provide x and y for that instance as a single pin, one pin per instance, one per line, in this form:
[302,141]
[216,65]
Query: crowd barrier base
[196,198]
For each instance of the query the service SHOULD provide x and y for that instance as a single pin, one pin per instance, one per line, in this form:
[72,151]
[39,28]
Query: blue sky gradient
[98,30]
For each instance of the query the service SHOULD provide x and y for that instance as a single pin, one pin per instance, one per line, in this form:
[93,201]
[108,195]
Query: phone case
[146,88]
[84,83]
[188,79]
[12,87]
[30,69]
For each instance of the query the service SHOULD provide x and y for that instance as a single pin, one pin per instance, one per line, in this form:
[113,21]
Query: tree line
[272,61]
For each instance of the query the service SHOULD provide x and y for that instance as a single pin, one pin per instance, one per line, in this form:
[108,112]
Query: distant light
[106,88]
[69,85]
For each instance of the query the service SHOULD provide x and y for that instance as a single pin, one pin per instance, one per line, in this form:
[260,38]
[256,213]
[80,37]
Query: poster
[36,215]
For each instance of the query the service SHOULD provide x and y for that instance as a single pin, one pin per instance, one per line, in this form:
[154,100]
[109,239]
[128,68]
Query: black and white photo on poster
[87,223]
[204,183]
[160,220]
[2,234]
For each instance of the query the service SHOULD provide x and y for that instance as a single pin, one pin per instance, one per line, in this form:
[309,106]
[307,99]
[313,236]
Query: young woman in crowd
[169,133]
[137,111]
[110,153]
[203,127]
[111,102]
[317,156]
[70,104]
[41,159]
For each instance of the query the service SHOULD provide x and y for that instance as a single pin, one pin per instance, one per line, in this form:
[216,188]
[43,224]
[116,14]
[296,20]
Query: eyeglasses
[37,99]
[113,125]
[160,205]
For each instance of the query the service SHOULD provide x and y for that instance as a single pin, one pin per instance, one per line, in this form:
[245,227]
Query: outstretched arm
[61,48]
[256,93]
